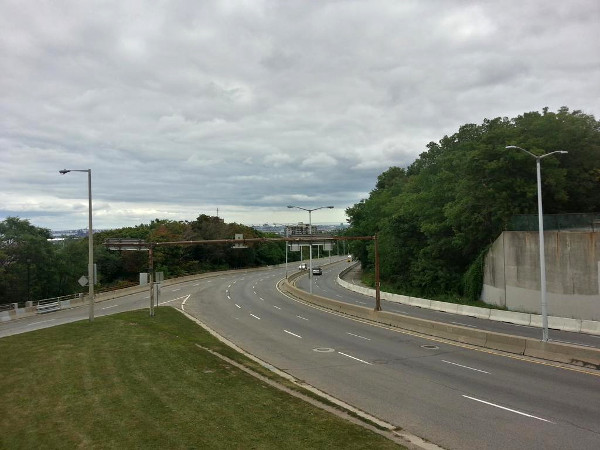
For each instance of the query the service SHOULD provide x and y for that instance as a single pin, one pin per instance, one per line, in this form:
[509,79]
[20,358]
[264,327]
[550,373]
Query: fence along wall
[512,273]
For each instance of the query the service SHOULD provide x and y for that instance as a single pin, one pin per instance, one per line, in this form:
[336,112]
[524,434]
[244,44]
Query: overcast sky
[183,107]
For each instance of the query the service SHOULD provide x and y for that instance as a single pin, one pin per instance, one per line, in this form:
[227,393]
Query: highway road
[446,393]
[327,286]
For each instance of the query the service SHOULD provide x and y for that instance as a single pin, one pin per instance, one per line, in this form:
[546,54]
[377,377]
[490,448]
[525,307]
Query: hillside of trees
[437,217]
[33,268]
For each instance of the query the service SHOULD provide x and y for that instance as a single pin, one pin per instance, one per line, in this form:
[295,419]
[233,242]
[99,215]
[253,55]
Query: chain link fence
[559,222]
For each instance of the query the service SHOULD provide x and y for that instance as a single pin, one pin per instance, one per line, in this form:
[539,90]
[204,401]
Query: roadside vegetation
[131,381]
[33,268]
[437,217]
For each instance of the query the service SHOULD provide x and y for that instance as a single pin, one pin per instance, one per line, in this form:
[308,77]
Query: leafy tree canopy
[439,214]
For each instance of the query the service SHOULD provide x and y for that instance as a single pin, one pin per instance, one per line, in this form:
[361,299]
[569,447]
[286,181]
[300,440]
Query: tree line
[32,267]
[437,217]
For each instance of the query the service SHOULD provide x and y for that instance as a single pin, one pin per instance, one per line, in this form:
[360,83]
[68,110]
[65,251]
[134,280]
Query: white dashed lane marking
[358,336]
[352,357]
[464,367]
[506,409]
[293,334]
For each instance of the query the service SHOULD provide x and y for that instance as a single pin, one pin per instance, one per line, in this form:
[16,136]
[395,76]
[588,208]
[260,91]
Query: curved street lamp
[541,234]
[90,238]
[310,277]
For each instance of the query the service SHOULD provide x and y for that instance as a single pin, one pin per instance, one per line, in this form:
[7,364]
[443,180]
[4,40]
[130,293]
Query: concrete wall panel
[572,273]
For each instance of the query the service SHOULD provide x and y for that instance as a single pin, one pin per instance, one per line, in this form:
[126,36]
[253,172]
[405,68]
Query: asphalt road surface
[451,395]
[327,286]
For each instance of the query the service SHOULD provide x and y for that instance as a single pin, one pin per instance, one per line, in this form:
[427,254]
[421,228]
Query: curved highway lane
[327,286]
[446,393]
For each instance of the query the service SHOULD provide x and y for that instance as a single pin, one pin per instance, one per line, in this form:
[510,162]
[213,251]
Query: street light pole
[90,238]
[310,233]
[541,236]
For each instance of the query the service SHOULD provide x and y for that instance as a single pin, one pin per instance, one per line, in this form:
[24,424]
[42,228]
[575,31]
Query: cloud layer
[182,107]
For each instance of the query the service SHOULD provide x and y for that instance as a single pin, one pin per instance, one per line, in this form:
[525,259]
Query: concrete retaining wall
[512,273]
[564,353]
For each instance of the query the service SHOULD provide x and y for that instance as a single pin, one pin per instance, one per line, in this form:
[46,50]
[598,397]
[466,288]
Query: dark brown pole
[377,292]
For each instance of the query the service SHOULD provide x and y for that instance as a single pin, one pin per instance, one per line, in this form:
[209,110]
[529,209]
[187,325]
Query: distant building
[302,229]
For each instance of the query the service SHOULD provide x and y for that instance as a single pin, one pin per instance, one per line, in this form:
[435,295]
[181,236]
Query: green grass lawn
[131,381]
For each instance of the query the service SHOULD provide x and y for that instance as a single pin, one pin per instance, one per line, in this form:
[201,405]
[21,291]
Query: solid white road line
[183,303]
[365,362]
[43,321]
[109,307]
[466,367]
[185,297]
[256,317]
[358,336]
[569,342]
[507,409]
[293,334]
[464,324]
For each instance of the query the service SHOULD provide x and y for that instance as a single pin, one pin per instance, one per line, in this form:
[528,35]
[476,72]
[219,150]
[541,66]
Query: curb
[500,315]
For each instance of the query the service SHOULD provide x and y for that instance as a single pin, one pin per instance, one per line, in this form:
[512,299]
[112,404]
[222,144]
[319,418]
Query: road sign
[126,244]
[83,280]
[239,237]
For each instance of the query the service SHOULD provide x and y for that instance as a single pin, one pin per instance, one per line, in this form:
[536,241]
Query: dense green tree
[27,268]
[436,217]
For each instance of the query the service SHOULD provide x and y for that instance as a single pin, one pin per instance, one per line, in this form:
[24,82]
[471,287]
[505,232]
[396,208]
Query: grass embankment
[131,381]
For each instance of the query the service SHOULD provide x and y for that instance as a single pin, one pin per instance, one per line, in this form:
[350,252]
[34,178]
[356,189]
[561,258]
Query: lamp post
[90,238]
[310,233]
[541,235]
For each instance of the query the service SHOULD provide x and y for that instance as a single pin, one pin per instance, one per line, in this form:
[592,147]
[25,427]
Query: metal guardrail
[48,306]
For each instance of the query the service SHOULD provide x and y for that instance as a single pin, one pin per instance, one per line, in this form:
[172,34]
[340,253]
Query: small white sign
[83,280]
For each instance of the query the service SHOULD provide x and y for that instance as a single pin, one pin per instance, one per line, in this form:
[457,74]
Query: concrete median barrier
[534,320]
[565,353]
[590,327]
[563,323]
[473,311]
[510,317]
[505,342]
[420,302]
[445,307]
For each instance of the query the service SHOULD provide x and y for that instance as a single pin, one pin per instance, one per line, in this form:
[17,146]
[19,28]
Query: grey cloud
[184,106]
